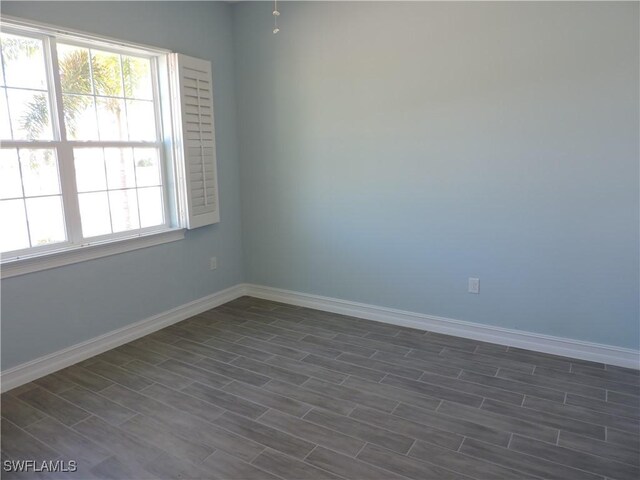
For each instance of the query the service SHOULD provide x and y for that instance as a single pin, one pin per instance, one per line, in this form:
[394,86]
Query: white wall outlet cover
[474,285]
[213,263]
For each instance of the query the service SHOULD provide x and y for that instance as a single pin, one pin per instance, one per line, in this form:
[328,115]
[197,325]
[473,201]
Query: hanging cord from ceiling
[276,14]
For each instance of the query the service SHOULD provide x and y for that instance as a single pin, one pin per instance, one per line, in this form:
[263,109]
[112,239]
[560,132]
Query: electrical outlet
[474,285]
[213,263]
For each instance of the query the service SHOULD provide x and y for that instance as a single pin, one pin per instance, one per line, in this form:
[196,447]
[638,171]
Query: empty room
[320,240]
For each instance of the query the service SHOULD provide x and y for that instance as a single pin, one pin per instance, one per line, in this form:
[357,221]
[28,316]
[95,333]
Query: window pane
[10,183]
[94,213]
[147,167]
[39,172]
[75,75]
[23,62]
[80,117]
[46,221]
[124,210]
[89,166]
[29,115]
[151,207]
[137,77]
[107,75]
[141,118]
[111,120]
[14,235]
[5,126]
[120,173]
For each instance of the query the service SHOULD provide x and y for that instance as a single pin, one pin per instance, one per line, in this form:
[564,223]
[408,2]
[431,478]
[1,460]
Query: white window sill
[13,268]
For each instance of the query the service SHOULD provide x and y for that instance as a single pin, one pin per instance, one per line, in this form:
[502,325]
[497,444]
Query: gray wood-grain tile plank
[348,467]
[452,424]
[98,405]
[54,406]
[162,437]
[364,431]
[117,468]
[545,418]
[374,344]
[19,445]
[234,372]
[381,366]
[195,373]
[537,380]
[224,466]
[172,467]
[412,428]
[205,350]
[316,399]
[18,412]
[272,348]
[312,432]
[168,350]
[272,371]
[432,390]
[181,401]
[68,442]
[289,468]
[225,400]
[583,414]
[260,433]
[119,375]
[391,393]
[352,395]
[343,367]
[268,399]
[623,399]
[500,422]
[574,458]
[406,466]
[620,453]
[84,378]
[186,425]
[529,464]
[307,369]
[239,350]
[120,442]
[603,406]
[464,464]
[435,364]
[626,439]
[478,358]
[139,352]
[306,347]
[157,374]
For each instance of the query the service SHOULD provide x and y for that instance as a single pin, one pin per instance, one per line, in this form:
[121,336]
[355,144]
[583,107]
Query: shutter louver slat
[196,149]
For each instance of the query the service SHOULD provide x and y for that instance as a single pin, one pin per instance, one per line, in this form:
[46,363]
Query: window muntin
[102,144]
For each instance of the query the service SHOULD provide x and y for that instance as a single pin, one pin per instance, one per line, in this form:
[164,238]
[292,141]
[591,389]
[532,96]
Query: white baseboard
[29,371]
[26,372]
[567,347]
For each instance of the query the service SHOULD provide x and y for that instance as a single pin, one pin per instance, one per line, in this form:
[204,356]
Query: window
[85,159]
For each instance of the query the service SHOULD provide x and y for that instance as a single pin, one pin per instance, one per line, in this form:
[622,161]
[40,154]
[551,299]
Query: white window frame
[75,248]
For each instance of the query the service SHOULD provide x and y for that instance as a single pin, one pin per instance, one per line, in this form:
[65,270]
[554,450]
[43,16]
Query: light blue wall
[44,312]
[391,150]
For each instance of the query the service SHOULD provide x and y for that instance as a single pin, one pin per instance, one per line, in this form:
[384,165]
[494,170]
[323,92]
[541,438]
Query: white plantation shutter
[194,145]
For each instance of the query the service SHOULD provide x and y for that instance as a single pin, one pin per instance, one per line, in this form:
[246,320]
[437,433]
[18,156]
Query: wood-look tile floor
[260,390]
